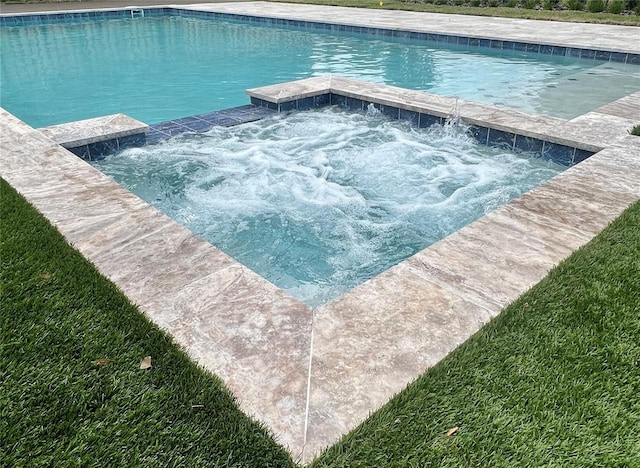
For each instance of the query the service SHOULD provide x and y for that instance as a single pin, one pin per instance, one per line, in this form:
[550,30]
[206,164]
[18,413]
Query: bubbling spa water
[319,202]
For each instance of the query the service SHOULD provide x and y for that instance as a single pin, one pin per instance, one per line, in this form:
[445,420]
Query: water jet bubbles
[372,111]
[341,198]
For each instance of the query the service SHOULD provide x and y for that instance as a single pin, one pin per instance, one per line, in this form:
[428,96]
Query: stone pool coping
[490,125]
[100,135]
[613,38]
[366,345]
[313,375]
[590,37]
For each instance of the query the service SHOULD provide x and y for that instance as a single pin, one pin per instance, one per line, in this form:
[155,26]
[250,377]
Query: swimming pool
[318,202]
[308,375]
[164,66]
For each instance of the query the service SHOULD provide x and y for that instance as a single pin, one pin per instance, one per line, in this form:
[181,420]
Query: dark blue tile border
[535,48]
[154,136]
[288,106]
[81,152]
[139,139]
[561,154]
[500,139]
[322,100]
[559,51]
[633,59]
[427,120]
[412,117]
[170,128]
[528,144]
[346,102]
[580,155]
[305,103]
[265,104]
[100,149]
[389,111]
[164,130]
[480,134]
[573,52]
[203,122]
[464,41]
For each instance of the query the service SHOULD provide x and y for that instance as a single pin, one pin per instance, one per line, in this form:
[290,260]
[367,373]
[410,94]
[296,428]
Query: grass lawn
[71,388]
[553,381]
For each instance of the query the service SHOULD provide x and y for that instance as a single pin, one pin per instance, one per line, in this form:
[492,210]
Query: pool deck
[312,375]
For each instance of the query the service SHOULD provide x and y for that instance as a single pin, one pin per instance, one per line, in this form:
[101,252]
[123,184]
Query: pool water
[320,201]
[161,68]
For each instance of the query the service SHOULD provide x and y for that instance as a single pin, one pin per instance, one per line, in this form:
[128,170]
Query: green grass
[59,407]
[553,381]
[501,11]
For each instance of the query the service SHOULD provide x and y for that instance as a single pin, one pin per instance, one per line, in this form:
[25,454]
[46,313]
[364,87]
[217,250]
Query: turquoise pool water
[318,202]
[161,68]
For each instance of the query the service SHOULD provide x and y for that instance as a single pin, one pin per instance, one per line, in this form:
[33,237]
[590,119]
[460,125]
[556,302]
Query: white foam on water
[318,202]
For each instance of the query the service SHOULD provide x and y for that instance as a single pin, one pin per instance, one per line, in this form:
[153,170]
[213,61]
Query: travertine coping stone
[369,342]
[627,106]
[542,127]
[589,36]
[292,90]
[229,319]
[311,376]
[85,132]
